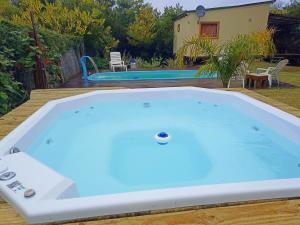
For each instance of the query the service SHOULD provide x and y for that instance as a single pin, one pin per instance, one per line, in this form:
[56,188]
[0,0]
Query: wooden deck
[279,212]
[77,82]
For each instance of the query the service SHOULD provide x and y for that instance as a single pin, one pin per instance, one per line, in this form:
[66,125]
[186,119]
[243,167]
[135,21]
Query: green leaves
[165,31]
[16,51]
[18,56]
[195,47]
[143,30]
[224,59]
[5,62]
[11,93]
[82,18]
[294,9]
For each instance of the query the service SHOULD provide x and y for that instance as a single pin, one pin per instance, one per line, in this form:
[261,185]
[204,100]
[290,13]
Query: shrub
[54,45]
[224,59]
[18,56]
[171,63]
[148,64]
[17,47]
[102,63]
[156,63]
[11,93]
[80,18]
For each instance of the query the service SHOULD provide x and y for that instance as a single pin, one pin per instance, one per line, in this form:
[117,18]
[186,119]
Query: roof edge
[184,13]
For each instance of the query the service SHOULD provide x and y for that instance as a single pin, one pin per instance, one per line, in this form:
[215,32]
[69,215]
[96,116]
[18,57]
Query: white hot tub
[121,151]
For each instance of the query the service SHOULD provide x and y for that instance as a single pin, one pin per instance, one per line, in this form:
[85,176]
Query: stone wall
[70,67]
[70,64]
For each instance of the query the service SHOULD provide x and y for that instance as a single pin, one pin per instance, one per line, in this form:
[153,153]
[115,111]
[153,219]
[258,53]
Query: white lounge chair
[116,61]
[273,72]
[240,74]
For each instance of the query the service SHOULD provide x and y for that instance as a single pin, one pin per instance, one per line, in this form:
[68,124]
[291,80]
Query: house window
[178,28]
[210,30]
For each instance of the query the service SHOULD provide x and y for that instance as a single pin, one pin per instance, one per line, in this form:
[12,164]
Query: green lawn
[290,96]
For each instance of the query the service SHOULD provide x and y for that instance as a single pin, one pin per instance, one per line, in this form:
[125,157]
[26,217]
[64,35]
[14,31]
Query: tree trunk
[225,84]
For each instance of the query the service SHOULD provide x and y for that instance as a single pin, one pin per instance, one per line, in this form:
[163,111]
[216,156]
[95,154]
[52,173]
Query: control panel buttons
[16,186]
[7,176]
[29,193]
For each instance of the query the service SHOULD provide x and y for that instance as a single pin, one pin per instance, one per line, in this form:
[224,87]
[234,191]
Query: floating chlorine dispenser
[162,138]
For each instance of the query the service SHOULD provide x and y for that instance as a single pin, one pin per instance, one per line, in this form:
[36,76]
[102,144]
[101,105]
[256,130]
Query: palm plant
[223,59]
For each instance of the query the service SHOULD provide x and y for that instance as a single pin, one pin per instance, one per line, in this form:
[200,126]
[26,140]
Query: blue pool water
[147,75]
[109,147]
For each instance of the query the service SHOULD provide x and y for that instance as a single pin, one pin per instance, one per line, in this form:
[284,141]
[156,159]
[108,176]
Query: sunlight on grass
[291,75]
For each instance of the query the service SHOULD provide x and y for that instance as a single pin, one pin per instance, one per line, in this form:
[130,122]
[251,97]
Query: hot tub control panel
[14,185]
[9,179]
[23,178]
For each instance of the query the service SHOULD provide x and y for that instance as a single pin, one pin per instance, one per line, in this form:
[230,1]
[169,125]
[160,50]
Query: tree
[98,41]
[85,18]
[55,16]
[98,38]
[165,31]
[120,17]
[7,9]
[293,8]
[143,30]
[278,7]
[223,59]
[279,4]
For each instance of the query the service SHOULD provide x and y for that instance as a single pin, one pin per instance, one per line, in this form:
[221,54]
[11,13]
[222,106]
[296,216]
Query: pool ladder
[84,68]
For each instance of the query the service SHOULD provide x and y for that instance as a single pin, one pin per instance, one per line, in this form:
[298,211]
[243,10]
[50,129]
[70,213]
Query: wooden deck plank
[281,213]
[284,212]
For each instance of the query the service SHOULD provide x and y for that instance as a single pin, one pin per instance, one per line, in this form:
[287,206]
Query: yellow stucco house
[221,23]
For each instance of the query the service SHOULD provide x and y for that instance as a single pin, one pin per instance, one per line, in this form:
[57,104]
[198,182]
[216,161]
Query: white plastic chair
[116,61]
[240,74]
[273,72]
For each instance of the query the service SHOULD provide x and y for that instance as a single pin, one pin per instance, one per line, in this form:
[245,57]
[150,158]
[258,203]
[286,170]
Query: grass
[291,75]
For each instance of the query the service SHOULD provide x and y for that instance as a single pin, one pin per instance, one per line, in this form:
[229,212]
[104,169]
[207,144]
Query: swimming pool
[100,154]
[147,75]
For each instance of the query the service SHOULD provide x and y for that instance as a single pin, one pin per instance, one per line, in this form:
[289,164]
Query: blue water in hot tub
[109,147]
